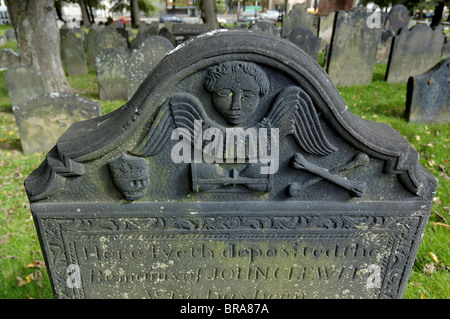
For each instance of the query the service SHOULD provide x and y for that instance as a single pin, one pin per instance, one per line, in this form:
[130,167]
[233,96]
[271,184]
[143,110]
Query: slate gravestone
[142,61]
[397,19]
[144,32]
[384,46]
[110,38]
[265,26]
[414,52]
[91,42]
[169,196]
[9,59]
[297,17]
[306,41]
[428,95]
[111,76]
[72,54]
[23,83]
[353,48]
[326,28]
[166,33]
[10,35]
[43,119]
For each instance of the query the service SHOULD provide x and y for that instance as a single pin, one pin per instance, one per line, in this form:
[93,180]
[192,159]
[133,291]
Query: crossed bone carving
[356,188]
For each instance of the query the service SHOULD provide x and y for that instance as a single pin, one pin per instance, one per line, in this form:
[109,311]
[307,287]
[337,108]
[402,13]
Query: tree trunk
[209,14]
[84,13]
[135,14]
[38,39]
[438,11]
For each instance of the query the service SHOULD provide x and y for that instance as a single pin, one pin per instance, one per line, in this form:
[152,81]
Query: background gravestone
[331,216]
[414,52]
[445,50]
[10,35]
[306,40]
[23,83]
[43,119]
[428,95]
[265,26]
[91,41]
[111,76]
[353,38]
[166,33]
[326,28]
[142,61]
[397,19]
[298,17]
[9,59]
[72,54]
[110,38]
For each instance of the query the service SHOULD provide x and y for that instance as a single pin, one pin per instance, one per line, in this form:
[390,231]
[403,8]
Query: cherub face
[236,97]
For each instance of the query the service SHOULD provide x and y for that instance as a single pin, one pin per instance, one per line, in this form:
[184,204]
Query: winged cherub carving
[236,88]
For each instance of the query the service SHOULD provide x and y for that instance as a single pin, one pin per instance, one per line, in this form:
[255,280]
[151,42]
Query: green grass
[20,253]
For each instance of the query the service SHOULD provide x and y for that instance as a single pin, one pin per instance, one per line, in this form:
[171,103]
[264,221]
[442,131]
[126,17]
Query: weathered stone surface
[353,49]
[72,54]
[91,42]
[10,35]
[297,17]
[414,52]
[326,28]
[9,59]
[306,40]
[445,50]
[384,46]
[166,33]
[428,95]
[110,38]
[111,76]
[136,204]
[265,26]
[397,19]
[23,83]
[142,61]
[43,119]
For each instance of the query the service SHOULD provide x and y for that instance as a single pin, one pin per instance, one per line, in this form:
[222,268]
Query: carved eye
[247,94]
[223,92]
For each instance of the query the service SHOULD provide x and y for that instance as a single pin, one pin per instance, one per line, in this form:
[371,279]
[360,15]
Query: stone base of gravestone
[414,52]
[428,95]
[43,119]
[23,83]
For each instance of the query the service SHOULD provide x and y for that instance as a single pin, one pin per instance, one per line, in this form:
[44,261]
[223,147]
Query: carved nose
[236,102]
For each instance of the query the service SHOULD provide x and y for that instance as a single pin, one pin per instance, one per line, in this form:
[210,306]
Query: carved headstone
[72,54]
[298,17]
[142,61]
[306,41]
[111,76]
[414,52]
[235,171]
[43,119]
[428,95]
[23,83]
[353,49]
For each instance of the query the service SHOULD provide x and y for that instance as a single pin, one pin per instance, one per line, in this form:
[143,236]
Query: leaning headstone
[10,35]
[43,119]
[298,17]
[111,76]
[397,19]
[158,199]
[265,26]
[326,28]
[428,95]
[91,41]
[306,40]
[414,52]
[353,48]
[9,59]
[72,54]
[23,83]
[142,61]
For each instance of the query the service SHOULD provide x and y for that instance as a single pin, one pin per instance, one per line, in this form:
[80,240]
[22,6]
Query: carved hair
[237,67]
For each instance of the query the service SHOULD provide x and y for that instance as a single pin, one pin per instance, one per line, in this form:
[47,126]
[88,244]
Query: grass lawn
[22,271]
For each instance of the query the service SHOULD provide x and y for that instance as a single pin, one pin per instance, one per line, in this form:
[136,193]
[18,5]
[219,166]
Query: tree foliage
[145,6]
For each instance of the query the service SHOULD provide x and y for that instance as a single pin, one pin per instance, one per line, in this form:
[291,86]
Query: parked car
[170,18]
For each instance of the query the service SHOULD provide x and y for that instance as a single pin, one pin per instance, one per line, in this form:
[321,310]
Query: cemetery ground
[22,269]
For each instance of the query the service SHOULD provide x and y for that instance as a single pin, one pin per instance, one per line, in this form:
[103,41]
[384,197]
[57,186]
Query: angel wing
[294,113]
[180,111]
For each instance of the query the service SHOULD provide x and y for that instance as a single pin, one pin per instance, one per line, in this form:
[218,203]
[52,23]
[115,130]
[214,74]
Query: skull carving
[130,176]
